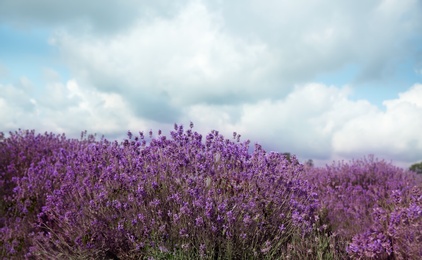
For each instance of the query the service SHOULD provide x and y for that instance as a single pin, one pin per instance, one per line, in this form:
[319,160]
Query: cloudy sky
[322,79]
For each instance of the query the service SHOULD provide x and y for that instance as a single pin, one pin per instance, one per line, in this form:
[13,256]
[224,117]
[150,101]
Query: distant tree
[417,167]
[309,163]
[287,155]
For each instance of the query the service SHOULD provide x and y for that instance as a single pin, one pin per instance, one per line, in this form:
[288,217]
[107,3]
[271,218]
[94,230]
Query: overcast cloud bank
[244,66]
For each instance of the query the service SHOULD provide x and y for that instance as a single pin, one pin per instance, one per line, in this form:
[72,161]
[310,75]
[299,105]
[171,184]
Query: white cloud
[244,66]
[323,123]
[242,51]
[169,63]
[313,121]
[324,35]
[15,105]
[413,97]
[393,133]
[66,108]
[95,16]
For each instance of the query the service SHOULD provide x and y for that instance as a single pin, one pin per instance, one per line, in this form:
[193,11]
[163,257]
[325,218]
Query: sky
[322,79]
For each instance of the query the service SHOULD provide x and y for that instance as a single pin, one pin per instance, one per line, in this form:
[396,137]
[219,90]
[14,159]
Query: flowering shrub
[24,160]
[185,196]
[180,196]
[374,206]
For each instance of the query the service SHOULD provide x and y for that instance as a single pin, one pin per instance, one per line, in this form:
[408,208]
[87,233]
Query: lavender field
[188,196]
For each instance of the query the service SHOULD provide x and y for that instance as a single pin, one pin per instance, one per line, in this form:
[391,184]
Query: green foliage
[287,156]
[417,167]
[309,163]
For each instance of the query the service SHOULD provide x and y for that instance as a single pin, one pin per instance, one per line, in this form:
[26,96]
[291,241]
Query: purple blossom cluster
[187,196]
[375,207]
[176,196]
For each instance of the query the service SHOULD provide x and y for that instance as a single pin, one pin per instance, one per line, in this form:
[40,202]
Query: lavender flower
[207,198]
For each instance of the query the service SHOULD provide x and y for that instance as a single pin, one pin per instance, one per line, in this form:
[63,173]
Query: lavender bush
[178,197]
[189,197]
[24,160]
[375,207]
